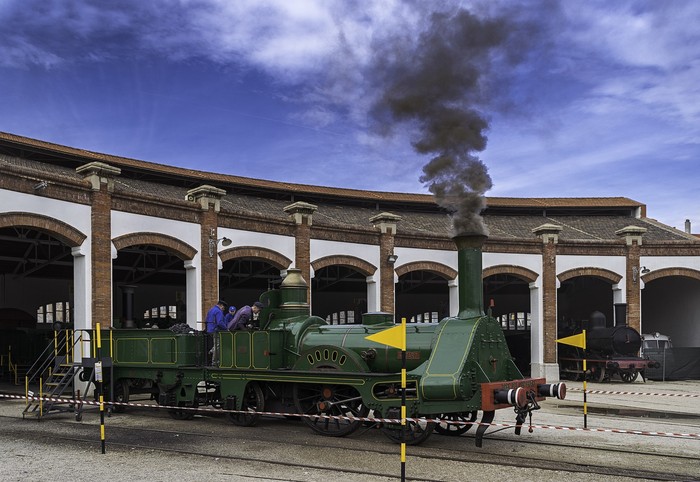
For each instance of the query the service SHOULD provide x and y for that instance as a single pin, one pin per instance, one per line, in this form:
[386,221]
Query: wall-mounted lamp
[391,259]
[637,270]
[213,242]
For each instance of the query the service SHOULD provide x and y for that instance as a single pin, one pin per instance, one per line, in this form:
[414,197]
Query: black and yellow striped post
[580,342]
[403,399]
[396,337]
[98,380]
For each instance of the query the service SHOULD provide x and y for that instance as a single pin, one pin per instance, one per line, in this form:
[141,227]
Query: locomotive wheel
[253,401]
[416,432]
[628,376]
[121,395]
[328,399]
[184,414]
[445,428]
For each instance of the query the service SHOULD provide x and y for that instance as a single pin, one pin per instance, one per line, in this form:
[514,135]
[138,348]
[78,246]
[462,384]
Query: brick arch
[665,272]
[431,266]
[65,233]
[169,243]
[276,259]
[360,265]
[517,271]
[601,273]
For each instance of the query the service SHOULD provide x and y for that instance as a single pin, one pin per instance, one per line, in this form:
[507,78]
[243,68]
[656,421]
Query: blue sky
[582,98]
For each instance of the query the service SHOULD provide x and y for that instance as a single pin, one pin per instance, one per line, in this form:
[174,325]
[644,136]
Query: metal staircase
[54,372]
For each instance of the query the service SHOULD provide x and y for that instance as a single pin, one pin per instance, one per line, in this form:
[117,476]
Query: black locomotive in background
[610,352]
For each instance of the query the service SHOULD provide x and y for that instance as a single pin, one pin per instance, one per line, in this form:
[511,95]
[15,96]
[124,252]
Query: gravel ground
[30,453]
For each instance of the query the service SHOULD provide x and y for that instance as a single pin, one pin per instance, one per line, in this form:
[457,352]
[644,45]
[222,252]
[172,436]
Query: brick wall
[101,258]
[549,292]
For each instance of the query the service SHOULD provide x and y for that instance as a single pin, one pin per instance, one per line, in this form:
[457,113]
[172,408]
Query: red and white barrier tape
[80,403]
[611,392]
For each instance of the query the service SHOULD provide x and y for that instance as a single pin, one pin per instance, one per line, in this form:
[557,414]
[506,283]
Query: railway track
[441,459]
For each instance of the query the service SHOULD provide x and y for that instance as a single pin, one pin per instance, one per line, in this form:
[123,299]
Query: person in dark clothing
[245,316]
[215,323]
[229,316]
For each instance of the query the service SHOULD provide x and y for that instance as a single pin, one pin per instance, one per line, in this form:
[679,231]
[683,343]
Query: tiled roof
[223,179]
[334,211]
[562,202]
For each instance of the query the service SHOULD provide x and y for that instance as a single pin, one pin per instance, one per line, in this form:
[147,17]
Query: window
[341,318]
[427,317]
[58,311]
[160,312]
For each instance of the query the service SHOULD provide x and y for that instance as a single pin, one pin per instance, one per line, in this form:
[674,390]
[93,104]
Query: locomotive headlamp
[513,396]
[552,390]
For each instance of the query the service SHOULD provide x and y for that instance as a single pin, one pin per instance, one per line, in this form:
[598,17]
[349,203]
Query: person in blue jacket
[215,323]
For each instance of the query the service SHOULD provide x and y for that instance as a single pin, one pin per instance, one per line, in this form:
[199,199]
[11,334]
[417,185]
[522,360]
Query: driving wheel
[253,402]
[416,431]
[334,406]
[466,421]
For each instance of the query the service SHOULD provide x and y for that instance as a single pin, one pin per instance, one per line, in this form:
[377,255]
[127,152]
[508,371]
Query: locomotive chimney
[471,291]
[293,294]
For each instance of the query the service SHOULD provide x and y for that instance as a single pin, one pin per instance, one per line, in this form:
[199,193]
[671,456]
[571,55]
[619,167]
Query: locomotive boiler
[331,375]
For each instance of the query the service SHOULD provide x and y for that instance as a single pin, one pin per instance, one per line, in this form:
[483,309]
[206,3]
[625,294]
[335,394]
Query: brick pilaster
[101,177]
[550,237]
[386,224]
[633,240]
[209,199]
[302,215]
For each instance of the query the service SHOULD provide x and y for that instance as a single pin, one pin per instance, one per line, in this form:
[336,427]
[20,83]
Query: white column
[193,295]
[453,291]
[82,287]
[536,331]
[372,294]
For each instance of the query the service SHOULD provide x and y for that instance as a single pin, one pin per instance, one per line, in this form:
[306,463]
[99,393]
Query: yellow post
[396,337]
[98,379]
[585,368]
[403,400]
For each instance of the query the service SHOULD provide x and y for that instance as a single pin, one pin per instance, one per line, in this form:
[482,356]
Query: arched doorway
[671,305]
[247,272]
[149,280]
[37,272]
[507,295]
[339,288]
[583,291]
[422,291]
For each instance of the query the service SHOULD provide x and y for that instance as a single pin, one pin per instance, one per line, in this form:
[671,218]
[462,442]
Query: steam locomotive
[332,376]
[610,352]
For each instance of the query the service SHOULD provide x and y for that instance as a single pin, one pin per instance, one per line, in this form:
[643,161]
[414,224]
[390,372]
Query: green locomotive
[331,375]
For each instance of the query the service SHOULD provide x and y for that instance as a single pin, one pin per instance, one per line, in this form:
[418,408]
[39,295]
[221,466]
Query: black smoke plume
[436,81]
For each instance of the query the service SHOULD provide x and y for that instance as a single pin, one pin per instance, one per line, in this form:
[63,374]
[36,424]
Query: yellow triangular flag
[395,337]
[575,340]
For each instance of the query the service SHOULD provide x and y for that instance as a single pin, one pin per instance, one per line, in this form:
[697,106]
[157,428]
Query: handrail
[61,345]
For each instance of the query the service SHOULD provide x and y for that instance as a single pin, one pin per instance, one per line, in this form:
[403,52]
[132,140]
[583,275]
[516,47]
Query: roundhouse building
[90,238]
